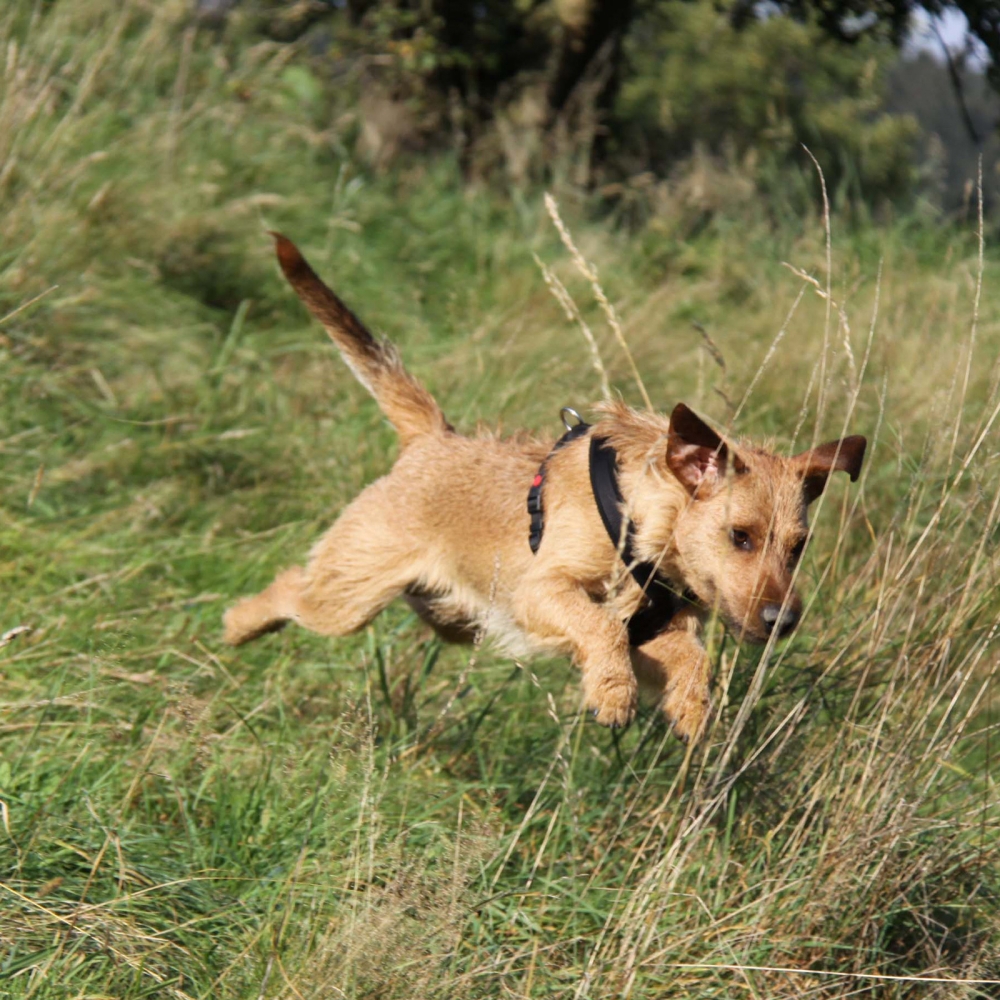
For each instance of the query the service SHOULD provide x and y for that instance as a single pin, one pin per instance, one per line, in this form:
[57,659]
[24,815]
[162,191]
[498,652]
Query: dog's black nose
[777,620]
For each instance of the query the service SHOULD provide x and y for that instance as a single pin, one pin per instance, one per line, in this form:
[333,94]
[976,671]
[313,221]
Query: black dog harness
[662,602]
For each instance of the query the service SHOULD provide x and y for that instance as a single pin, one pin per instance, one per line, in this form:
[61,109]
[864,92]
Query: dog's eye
[797,550]
[741,540]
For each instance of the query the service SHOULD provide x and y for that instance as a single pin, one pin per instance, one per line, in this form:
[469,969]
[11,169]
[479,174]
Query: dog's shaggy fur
[447,528]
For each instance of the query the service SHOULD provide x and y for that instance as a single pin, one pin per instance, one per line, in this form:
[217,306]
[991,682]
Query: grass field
[383,816]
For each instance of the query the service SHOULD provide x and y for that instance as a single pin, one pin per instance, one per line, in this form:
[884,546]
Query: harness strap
[604,485]
[662,601]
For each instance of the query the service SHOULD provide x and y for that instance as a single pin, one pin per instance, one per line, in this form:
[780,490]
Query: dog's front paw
[613,700]
[689,710]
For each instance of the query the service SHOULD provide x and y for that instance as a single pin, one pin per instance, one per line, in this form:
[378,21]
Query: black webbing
[662,602]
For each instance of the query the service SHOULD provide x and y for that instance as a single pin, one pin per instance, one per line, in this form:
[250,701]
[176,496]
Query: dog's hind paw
[241,624]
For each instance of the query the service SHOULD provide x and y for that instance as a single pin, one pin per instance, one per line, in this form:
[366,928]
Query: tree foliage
[761,92]
[850,20]
[494,40]
[540,86]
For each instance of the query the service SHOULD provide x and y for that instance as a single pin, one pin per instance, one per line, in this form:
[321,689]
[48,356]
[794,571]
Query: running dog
[636,529]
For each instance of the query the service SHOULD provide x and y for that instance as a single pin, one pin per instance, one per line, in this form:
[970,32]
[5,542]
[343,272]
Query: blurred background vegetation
[615,94]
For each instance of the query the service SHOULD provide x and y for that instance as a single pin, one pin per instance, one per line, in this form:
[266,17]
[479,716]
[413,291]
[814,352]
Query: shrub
[758,94]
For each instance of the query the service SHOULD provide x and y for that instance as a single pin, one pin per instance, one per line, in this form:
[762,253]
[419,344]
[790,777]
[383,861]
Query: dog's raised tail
[411,409]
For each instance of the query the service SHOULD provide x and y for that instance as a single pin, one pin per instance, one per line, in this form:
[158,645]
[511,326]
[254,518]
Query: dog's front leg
[561,613]
[676,665]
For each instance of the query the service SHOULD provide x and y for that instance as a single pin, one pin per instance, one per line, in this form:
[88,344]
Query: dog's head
[742,533]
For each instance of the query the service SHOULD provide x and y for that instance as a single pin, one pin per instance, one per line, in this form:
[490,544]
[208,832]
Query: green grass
[383,816]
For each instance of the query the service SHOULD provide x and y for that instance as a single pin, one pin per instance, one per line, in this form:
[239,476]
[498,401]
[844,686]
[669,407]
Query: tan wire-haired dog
[448,529]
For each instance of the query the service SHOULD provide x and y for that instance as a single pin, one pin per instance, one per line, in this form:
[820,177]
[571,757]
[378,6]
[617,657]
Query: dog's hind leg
[361,564]
[268,611]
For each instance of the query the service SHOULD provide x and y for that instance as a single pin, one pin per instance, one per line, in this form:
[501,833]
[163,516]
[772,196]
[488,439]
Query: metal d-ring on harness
[662,602]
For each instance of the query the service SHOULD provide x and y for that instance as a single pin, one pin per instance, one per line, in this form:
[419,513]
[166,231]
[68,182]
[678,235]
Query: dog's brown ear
[696,455]
[816,464]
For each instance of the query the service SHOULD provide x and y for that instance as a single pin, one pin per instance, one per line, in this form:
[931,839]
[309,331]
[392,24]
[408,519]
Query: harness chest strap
[661,601]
